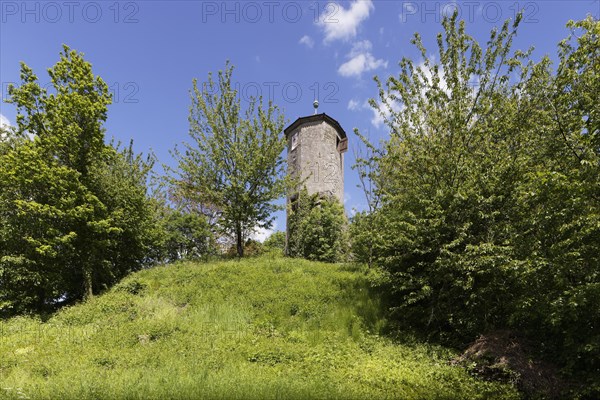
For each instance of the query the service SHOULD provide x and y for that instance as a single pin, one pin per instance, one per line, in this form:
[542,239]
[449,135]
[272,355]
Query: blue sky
[288,51]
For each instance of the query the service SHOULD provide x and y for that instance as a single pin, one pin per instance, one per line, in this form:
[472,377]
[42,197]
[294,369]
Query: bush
[276,241]
[489,212]
[317,229]
[253,248]
[186,235]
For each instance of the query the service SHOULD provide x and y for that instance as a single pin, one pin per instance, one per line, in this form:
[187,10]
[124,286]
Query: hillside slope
[259,328]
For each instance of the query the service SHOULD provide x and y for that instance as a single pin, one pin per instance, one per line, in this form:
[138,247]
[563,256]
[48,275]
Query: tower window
[342,145]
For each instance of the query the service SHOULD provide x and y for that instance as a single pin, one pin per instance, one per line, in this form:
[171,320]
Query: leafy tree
[74,210]
[365,237]
[5,139]
[439,177]
[488,193]
[253,248]
[68,130]
[317,229]
[39,211]
[363,233]
[121,185]
[187,235]
[276,241]
[559,220]
[234,162]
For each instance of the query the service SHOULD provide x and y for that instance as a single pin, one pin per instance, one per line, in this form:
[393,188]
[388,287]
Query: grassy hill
[258,328]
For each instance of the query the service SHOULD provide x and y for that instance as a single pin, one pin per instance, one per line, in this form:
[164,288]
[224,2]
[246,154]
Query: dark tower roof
[316,118]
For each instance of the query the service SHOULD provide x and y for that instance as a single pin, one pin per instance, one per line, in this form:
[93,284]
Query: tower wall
[313,150]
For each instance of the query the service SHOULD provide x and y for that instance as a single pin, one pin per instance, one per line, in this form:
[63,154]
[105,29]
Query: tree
[234,161]
[187,235]
[317,228]
[488,211]
[363,232]
[440,179]
[276,241]
[559,226]
[74,210]
[120,183]
[68,130]
[39,208]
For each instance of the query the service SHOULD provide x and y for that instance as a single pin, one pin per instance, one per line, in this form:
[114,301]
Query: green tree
[40,205]
[445,179]
[74,210]
[317,229]
[558,224]
[121,184]
[234,162]
[68,129]
[364,231]
[187,235]
[488,214]
[276,241]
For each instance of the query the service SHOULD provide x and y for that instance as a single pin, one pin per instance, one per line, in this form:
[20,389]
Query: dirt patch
[504,356]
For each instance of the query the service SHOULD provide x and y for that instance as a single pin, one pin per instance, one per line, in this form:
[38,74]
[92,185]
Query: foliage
[234,163]
[365,237]
[252,248]
[276,241]
[259,328]
[39,210]
[560,234]
[317,228]
[187,235]
[488,213]
[364,232]
[74,210]
[121,186]
[7,139]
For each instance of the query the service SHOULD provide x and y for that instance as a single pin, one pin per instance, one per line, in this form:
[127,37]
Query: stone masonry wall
[318,159]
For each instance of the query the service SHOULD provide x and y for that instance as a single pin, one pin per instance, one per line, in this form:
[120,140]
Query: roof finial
[316,105]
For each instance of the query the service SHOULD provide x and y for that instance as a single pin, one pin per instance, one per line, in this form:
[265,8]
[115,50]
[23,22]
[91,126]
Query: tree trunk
[87,283]
[240,243]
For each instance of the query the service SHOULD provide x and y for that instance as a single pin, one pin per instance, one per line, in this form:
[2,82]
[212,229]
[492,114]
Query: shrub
[317,229]
[186,235]
[276,241]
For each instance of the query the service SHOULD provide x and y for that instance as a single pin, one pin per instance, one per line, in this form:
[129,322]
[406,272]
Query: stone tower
[316,147]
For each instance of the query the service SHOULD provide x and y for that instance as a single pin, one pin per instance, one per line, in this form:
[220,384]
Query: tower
[316,147]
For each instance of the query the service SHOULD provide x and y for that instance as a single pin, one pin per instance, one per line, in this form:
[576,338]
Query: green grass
[260,328]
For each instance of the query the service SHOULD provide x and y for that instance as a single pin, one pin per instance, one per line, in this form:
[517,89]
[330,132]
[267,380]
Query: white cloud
[353,105]
[261,234]
[397,106]
[307,41]
[340,23]
[379,118]
[361,60]
[4,122]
